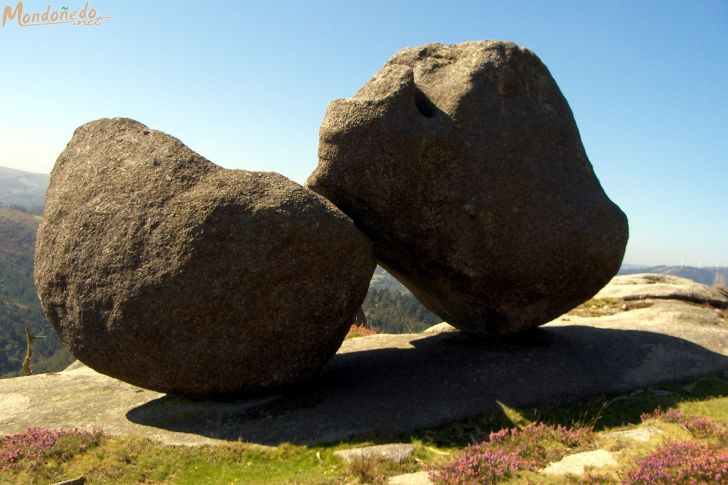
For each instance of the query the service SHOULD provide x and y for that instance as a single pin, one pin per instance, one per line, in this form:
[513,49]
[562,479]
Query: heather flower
[510,450]
[697,426]
[685,462]
[36,445]
[532,438]
[671,415]
[483,464]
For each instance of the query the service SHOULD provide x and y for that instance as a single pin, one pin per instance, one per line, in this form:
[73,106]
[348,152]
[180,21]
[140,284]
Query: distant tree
[29,337]
[391,311]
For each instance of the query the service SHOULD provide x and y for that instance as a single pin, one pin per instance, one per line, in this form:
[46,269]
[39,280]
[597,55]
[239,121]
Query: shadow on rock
[417,382]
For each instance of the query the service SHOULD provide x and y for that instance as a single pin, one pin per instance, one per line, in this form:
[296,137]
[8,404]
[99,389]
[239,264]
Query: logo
[87,16]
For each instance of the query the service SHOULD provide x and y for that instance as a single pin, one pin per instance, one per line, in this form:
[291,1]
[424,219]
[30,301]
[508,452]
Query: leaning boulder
[164,270]
[464,165]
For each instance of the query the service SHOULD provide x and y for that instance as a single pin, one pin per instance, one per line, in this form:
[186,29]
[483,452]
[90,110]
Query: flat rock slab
[80,397]
[576,464]
[395,452]
[417,478]
[397,383]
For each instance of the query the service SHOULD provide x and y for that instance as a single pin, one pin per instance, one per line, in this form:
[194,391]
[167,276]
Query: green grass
[139,460]
[597,307]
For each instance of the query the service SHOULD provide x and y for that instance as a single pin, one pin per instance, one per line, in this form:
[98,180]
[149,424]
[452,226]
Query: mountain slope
[18,300]
[707,276]
[382,280]
[22,188]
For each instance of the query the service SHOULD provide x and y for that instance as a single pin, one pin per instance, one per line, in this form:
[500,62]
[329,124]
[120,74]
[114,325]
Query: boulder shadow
[439,379]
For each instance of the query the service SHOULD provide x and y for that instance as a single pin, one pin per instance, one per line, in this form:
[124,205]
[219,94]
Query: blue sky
[246,85]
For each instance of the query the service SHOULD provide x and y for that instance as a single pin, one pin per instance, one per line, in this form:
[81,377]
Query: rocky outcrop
[164,270]
[646,286]
[464,165]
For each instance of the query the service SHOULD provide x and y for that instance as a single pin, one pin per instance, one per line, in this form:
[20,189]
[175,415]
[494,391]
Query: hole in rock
[424,105]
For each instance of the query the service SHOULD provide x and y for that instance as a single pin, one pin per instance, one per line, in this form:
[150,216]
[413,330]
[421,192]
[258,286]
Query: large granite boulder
[464,165]
[164,270]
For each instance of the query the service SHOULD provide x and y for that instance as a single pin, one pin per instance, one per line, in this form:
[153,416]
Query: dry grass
[599,307]
[357,330]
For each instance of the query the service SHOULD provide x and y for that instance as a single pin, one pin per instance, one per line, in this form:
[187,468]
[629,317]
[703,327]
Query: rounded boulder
[464,166]
[162,269]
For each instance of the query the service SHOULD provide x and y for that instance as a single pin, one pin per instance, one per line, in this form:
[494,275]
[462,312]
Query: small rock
[576,463]
[642,434]
[74,481]
[418,478]
[440,328]
[76,364]
[395,452]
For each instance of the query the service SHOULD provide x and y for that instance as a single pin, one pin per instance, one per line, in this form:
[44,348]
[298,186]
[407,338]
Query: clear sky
[246,85]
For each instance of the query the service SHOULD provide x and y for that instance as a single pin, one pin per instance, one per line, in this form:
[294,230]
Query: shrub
[482,464]
[682,462]
[38,445]
[697,426]
[357,330]
[536,433]
[366,470]
[510,450]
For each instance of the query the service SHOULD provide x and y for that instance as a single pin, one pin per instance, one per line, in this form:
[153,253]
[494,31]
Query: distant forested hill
[707,276]
[383,280]
[18,300]
[390,311]
[391,308]
[21,188]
